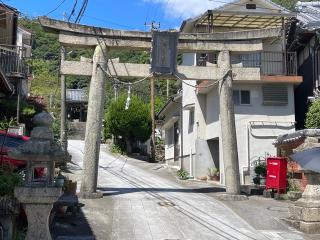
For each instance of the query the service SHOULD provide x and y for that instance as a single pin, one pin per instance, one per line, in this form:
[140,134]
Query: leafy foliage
[261,169]
[8,181]
[288,4]
[117,149]
[313,115]
[28,109]
[132,124]
[5,123]
[182,174]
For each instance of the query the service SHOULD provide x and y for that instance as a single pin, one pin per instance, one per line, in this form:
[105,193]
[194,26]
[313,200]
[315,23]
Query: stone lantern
[305,213]
[39,192]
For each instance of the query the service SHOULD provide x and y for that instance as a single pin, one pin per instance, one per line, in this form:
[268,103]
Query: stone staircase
[77,130]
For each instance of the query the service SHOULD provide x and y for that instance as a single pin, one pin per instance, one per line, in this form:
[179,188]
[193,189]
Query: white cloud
[185,8]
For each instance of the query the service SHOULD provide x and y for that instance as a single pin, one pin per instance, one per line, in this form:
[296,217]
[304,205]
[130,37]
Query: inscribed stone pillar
[94,124]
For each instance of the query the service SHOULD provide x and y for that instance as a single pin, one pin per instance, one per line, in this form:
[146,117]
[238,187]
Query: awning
[170,122]
[239,14]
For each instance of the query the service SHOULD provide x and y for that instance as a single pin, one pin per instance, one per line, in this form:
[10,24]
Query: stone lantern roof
[41,146]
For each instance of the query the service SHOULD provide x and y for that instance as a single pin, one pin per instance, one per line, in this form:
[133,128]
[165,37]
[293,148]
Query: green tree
[288,4]
[131,124]
[313,115]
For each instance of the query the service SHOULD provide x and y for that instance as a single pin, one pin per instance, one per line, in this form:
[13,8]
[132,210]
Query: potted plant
[183,174]
[294,190]
[261,173]
[214,174]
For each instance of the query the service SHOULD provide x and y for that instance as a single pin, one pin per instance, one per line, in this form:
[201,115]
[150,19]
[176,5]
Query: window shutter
[275,95]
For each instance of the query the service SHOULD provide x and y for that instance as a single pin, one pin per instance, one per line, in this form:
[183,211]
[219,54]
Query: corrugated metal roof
[76,95]
[235,14]
[308,15]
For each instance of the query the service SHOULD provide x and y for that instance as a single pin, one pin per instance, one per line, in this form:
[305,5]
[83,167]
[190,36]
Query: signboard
[164,52]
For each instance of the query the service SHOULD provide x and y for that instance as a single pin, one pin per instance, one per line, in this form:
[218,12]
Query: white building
[264,82]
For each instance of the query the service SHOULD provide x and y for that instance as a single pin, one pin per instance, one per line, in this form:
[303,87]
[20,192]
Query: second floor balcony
[269,63]
[12,61]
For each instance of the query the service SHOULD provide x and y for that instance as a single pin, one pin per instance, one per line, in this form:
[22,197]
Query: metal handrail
[12,60]
[269,62]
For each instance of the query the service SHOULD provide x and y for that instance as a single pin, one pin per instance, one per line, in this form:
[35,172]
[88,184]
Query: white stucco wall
[172,115]
[267,122]
[189,97]
[257,125]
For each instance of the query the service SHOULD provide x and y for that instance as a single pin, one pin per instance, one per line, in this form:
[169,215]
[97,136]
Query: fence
[270,63]
[12,61]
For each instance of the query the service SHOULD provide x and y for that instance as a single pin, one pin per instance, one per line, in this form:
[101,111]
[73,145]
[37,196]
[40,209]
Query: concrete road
[141,201]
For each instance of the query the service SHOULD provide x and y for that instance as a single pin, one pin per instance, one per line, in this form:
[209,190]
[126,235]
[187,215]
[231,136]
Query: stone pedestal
[305,214]
[38,203]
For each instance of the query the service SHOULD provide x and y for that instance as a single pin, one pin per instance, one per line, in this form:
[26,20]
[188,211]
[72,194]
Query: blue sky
[124,14]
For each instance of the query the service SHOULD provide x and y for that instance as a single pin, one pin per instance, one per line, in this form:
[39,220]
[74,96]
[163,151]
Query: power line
[59,5]
[197,86]
[122,82]
[82,10]
[73,10]
[107,21]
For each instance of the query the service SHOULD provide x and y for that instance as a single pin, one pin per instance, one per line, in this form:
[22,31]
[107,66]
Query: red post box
[277,174]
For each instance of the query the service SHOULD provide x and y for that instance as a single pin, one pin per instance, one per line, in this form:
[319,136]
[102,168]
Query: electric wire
[122,82]
[197,86]
[82,11]
[73,10]
[56,8]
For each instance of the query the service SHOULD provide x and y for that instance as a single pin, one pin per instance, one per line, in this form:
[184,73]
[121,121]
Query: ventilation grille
[274,95]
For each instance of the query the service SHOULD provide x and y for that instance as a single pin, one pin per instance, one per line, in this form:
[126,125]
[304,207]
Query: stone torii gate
[103,39]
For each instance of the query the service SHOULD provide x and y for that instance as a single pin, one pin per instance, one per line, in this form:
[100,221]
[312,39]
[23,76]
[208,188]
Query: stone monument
[39,192]
[305,213]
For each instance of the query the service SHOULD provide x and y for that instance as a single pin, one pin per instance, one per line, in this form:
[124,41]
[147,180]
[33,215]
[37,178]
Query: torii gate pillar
[94,125]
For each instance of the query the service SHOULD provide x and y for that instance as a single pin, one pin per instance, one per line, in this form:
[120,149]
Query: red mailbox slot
[277,174]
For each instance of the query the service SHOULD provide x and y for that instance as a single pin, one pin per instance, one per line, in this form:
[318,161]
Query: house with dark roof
[303,38]
[15,46]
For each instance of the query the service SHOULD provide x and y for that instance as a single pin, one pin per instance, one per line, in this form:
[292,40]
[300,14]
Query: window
[169,136]
[275,95]
[241,97]
[191,120]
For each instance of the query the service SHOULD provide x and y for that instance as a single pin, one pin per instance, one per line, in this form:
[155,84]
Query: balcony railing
[12,61]
[270,63]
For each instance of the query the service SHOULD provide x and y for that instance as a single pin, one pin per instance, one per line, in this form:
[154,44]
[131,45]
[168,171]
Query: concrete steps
[77,130]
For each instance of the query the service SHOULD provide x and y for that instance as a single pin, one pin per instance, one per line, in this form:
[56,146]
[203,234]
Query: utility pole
[63,128]
[115,89]
[50,100]
[167,89]
[18,100]
[94,125]
[228,126]
[153,137]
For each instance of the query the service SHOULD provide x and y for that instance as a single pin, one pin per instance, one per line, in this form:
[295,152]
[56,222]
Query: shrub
[261,169]
[5,123]
[132,124]
[182,174]
[8,181]
[116,149]
[313,115]
[213,172]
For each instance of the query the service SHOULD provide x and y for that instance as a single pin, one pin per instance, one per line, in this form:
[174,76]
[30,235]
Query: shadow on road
[70,222]
[119,191]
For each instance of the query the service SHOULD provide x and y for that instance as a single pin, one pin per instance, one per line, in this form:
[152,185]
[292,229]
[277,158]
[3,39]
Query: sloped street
[142,201]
